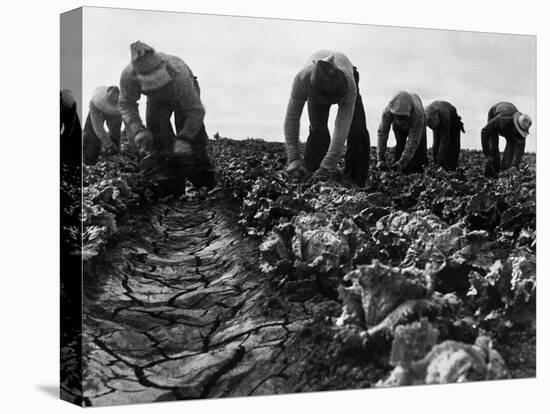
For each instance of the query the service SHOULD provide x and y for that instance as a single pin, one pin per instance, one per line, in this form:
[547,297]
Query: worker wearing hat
[103,110]
[505,120]
[405,114]
[328,78]
[442,117]
[171,88]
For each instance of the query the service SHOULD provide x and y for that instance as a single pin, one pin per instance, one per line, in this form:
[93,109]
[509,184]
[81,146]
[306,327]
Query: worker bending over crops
[405,113]
[103,109]
[328,78]
[171,88]
[446,124]
[504,119]
[70,133]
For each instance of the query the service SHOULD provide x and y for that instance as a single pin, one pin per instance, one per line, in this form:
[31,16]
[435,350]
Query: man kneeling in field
[171,88]
[328,78]
[446,124]
[405,114]
[504,119]
[103,110]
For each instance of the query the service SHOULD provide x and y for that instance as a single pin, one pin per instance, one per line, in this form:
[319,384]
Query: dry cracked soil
[178,310]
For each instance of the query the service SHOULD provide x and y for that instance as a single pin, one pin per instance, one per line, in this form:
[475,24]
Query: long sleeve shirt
[302,91]
[97,117]
[186,92]
[417,129]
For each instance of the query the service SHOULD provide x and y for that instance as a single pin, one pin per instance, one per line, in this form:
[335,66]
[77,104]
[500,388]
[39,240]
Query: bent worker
[405,114]
[171,88]
[446,125]
[504,119]
[70,131]
[103,110]
[328,78]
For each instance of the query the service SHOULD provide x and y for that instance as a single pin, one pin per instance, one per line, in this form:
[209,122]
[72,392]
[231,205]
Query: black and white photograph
[269,206]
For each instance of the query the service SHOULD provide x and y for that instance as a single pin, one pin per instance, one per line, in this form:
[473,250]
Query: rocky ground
[265,287]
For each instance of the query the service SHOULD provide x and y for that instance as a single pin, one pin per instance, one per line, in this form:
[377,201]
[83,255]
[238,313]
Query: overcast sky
[245,66]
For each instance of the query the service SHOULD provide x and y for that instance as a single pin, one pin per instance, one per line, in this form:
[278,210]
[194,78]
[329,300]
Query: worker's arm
[98,123]
[519,150]
[342,126]
[193,110]
[130,93]
[294,110]
[383,133]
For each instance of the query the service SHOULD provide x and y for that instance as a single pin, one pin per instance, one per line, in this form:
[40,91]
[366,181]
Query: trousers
[420,158]
[161,105]
[358,141]
[446,145]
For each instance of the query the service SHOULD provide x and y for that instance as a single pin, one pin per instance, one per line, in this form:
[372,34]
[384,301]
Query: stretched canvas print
[257,206]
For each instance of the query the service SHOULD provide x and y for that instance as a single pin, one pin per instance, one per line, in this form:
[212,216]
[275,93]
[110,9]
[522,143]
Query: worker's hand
[396,166]
[182,147]
[144,140]
[296,170]
[513,170]
[110,148]
[382,165]
[322,174]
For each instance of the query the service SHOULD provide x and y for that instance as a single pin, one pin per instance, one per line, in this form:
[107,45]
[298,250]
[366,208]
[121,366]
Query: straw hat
[106,99]
[149,66]
[522,122]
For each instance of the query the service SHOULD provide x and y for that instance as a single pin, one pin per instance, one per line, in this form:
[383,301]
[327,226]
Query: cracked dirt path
[178,309]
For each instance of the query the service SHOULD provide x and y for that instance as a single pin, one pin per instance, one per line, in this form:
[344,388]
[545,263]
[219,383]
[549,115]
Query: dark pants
[420,158]
[513,153]
[358,141]
[160,107]
[446,145]
[91,144]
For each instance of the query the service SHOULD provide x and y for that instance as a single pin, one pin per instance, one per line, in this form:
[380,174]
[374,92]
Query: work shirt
[185,90]
[302,91]
[409,104]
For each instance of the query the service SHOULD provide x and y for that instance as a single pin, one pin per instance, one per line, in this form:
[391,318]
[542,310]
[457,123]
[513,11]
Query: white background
[30,208]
